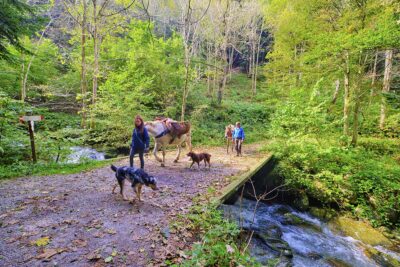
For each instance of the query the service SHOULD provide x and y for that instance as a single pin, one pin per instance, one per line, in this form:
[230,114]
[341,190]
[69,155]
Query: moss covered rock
[359,230]
[381,258]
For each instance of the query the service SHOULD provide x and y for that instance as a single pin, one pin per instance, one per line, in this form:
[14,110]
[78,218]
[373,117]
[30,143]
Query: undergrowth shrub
[353,179]
[218,240]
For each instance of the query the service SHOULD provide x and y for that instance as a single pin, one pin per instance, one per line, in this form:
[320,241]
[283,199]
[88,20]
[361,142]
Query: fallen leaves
[111,231]
[50,252]
[41,242]
[11,222]
[79,243]
[108,259]
[94,256]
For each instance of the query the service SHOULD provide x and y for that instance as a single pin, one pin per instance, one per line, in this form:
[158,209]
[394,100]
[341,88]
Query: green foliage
[315,43]
[295,118]
[352,179]
[146,82]
[210,121]
[13,138]
[219,239]
[53,136]
[43,77]
[17,19]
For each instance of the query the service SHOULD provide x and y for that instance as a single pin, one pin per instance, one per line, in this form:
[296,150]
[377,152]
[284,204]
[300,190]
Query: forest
[315,82]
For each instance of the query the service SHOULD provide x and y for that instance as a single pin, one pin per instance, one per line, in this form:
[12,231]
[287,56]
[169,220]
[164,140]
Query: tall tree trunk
[346,106]
[357,99]
[257,59]
[186,87]
[222,81]
[253,58]
[23,92]
[216,74]
[83,64]
[386,85]
[253,51]
[188,52]
[221,84]
[335,95]
[209,92]
[230,62]
[374,70]
[25,80]
[96,53]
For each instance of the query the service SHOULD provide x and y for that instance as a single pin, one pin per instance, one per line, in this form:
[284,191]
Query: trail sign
[31,120]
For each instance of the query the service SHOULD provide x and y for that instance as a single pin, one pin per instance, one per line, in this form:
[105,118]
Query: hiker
[140,141]
[238,136]
[228,136]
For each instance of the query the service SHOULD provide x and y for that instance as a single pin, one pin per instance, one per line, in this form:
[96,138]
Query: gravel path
[75,220]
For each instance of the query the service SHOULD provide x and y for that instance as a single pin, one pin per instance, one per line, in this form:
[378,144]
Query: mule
[163,138]
[229,139]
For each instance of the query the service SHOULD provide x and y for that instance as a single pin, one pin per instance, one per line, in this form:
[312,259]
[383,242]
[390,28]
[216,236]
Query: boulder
[358,230]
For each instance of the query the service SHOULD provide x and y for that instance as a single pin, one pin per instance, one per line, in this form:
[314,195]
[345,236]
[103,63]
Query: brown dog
[200,157]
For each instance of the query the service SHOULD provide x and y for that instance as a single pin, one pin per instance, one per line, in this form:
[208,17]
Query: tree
[98,20]
[386,85]
[334,40]
[16,19]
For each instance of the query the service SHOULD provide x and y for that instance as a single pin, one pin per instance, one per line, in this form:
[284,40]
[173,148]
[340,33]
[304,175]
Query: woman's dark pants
[132,153]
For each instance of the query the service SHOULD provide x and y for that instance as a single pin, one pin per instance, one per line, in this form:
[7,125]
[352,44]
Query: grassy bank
[41,169]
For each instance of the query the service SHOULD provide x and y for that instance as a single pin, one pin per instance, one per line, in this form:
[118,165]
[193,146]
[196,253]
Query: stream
[286,237]
[79,154]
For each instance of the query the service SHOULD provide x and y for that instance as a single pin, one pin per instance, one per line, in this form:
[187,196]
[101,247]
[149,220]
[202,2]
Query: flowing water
[80,154]
[296,238]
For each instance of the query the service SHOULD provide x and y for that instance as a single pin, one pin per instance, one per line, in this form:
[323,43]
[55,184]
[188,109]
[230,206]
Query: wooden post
[31,119]
[32,137]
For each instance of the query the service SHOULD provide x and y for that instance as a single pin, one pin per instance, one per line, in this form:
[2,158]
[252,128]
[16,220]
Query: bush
[380,146]
[350,178]
[219,238]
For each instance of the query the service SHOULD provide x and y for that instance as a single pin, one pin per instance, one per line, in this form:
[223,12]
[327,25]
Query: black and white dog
[137,177]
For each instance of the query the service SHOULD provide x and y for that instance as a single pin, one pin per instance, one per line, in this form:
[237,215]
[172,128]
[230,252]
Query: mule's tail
[113,168]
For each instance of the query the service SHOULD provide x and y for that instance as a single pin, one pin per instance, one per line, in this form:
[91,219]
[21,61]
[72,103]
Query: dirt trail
[74,219]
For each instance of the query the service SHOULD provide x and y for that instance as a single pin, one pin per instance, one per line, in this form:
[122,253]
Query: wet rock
[278,245]
[394,216]
[261,252]
[336,262]
[282,210]
[302,203]
[322,213]
[273,231]
[284,262]
[359,230]
[292,219]
[314,256]
[381,258]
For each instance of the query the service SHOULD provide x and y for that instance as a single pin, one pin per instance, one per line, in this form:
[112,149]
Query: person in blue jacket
[140,141]
[238,136]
